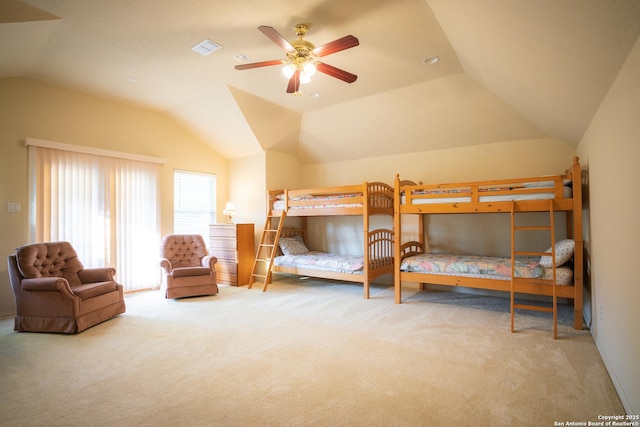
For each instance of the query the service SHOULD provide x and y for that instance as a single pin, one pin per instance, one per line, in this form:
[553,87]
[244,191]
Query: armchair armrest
[45,284]
[209,261]
[99,274]
[166,265]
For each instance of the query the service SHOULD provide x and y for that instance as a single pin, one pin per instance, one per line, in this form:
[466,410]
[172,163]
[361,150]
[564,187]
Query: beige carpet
[306,352]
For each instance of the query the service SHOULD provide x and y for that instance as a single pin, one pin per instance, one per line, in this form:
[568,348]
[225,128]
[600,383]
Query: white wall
[611,150]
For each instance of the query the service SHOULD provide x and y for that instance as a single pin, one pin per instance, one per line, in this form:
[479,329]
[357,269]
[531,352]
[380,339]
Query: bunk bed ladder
[543,282]
[267,250]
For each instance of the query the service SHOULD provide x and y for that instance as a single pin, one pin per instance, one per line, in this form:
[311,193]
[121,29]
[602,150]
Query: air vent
[205,47]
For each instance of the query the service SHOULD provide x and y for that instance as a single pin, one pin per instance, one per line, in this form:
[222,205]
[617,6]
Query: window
[194,202]
[106,206]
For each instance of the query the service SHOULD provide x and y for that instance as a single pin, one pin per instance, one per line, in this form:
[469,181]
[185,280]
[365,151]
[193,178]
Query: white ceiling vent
[205,47]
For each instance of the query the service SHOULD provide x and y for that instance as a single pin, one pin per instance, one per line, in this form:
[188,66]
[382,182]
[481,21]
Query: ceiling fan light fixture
[304,78]
[288,70]
[309,68]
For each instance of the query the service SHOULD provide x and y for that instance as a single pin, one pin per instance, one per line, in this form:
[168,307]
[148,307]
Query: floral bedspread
[476,266]
[323,261]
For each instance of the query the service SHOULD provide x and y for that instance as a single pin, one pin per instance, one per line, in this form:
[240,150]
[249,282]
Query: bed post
[397,240]
[365,230]
[578,257]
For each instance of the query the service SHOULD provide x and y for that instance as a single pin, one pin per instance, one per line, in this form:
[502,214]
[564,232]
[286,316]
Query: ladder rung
[533,307]
[258,275]
[532,227]
[270,245]
[263,259]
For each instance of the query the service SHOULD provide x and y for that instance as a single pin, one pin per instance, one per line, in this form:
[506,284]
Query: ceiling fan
[302,57]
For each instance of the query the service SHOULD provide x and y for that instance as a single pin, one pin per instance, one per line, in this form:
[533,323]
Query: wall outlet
[13,207]
[601,312]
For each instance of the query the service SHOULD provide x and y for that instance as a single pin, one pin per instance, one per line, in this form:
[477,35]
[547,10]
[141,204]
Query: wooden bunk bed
[558,193]
[365,200]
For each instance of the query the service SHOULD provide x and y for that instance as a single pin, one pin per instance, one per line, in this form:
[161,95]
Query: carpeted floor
[307,352]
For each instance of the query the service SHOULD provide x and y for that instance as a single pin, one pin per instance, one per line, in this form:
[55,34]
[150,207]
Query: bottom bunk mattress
[484,267]
[322,261]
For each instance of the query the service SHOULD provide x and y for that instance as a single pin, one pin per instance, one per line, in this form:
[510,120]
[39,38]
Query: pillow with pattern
[293,245]
[564,252]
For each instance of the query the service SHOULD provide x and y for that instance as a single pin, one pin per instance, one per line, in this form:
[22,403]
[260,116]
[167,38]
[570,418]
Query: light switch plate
[13,207]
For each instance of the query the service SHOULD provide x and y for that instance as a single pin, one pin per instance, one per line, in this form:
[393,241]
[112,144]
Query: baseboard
[614,379]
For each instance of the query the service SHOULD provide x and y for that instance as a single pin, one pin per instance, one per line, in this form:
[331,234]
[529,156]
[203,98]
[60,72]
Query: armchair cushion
[90,290]
[190,271]
[56,259]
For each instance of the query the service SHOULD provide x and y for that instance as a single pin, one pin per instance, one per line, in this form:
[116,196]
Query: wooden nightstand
[233,245]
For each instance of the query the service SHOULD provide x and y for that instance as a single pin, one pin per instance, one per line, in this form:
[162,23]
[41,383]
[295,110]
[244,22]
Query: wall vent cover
[205,47]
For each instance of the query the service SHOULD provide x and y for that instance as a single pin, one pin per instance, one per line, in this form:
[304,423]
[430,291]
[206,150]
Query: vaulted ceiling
[508,70]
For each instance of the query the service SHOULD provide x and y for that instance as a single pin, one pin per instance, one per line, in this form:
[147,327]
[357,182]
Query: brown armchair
[55,293]
[187,267]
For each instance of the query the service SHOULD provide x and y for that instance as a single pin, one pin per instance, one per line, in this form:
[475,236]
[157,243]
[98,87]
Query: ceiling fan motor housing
[303,49]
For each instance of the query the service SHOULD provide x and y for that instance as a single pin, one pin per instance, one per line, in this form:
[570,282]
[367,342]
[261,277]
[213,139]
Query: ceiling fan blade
[276,37]
[343,43]
[294,82]
[260,64]
[332,71]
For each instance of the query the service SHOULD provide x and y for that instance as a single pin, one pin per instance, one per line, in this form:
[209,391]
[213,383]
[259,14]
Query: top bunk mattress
[368,197]
[318,202]
[461,194]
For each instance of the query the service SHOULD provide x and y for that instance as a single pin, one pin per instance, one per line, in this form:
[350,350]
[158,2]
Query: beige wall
[283,171]
[509,159]
[611,149]
[32,109]
[247,191]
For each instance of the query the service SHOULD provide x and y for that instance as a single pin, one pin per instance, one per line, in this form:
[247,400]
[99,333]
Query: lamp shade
[229,209]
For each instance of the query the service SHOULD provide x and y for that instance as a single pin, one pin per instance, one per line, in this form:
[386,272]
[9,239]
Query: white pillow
[564,252]
[293,245]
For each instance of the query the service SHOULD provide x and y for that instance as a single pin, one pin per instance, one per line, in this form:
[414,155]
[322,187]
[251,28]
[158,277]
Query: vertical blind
[107,207]
[194,202]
